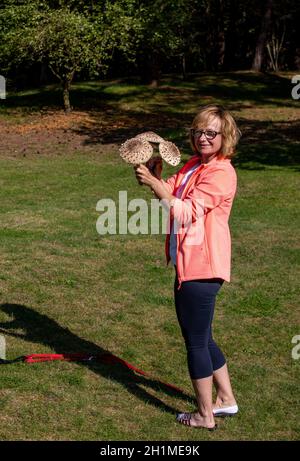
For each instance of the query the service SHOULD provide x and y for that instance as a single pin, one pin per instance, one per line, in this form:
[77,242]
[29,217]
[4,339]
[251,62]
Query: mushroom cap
[150,136]
[169,152]
[136,151]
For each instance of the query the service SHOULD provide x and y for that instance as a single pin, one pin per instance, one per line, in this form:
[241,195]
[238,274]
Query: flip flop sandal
[185,418]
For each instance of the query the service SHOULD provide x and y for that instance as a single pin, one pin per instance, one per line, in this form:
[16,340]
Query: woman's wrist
[155,181]
[160,191]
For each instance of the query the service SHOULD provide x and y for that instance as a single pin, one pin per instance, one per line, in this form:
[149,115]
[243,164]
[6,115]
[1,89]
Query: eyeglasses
[209,134]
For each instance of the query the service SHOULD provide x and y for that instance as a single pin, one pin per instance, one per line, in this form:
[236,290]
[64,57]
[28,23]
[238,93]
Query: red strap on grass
[34,358]
[102,358]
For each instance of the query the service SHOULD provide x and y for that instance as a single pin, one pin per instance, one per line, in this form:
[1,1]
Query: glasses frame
[193,131]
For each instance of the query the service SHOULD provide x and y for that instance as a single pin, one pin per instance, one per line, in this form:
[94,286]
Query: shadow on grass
[268,143]
[121,109]
[255,88]
[83,96]
[263,143]
[40,329]
[233,88]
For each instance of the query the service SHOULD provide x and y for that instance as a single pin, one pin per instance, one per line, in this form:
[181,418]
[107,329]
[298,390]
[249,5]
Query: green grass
[64,288]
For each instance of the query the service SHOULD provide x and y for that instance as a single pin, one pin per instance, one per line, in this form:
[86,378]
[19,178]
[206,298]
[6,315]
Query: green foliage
[125,28]
[69,42]
[163,24]
[16,26]
[189,35]
[68,36]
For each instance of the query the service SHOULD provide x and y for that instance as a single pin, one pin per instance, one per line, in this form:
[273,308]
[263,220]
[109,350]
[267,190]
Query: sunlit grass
[64,288]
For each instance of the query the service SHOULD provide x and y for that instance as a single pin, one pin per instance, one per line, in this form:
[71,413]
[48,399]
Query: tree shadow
[266,143]
[84,96]
[231,87]
[263,143]
[120,109]
[120,126]
[40,329]
[255,88]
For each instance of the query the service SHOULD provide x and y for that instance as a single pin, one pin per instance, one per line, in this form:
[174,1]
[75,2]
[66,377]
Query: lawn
[64,288]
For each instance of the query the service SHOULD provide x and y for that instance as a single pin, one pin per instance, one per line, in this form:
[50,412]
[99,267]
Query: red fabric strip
[102,358]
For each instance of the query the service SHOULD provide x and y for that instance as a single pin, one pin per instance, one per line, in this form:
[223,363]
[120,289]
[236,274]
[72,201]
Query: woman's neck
[207,159]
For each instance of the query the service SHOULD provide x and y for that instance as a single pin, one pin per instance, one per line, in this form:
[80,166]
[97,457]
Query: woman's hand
[144,176]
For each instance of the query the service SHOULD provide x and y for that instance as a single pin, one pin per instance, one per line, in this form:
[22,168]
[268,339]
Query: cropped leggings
[195,302]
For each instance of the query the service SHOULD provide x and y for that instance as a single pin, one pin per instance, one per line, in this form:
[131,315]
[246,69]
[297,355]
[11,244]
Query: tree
[86,36]
[262,38]
[67,41]
[162,34]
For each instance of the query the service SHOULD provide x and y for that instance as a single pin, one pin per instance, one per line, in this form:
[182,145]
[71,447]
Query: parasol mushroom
[139,150]
[169,152]
[136,151]
[150,136]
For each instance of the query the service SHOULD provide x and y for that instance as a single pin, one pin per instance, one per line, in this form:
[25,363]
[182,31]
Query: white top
[173,236]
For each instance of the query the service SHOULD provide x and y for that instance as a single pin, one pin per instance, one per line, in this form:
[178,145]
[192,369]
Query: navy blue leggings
[195,302]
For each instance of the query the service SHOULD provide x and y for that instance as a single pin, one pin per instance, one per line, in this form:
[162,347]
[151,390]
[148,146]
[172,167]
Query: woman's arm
[155,165]
[207,194]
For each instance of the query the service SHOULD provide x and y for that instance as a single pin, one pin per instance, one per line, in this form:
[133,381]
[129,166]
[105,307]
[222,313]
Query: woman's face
[207,145]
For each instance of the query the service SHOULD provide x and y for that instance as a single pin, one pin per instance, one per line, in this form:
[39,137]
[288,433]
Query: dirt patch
[269,137]
[56,133]
[50,133]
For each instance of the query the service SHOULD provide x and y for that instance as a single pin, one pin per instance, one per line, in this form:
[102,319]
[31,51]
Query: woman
[200,198]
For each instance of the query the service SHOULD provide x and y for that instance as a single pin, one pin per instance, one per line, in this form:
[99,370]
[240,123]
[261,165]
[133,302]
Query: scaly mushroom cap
[136,151]
[169,152]
[150,136]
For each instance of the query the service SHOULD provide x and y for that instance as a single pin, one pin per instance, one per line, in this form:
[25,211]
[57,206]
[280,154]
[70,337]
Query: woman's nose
[202,134]
[200,137]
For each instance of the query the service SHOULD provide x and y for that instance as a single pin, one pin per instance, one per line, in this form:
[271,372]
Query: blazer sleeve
[208,193]
[170,183]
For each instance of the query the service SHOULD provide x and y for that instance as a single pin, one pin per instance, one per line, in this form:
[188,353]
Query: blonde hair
[230,132]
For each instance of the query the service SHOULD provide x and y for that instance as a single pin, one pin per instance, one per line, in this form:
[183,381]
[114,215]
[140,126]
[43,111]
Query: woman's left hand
[144,176]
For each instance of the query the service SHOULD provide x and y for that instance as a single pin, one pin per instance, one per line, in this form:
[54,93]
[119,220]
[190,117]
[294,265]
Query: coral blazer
[203,211]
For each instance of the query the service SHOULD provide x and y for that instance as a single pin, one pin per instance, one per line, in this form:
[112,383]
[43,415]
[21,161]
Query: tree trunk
[183,66]
[154,71]
[66,81]
[215,37]
[66,95]
[150,69]
[231,38]
[43,73]
[262,38]
[220,38]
